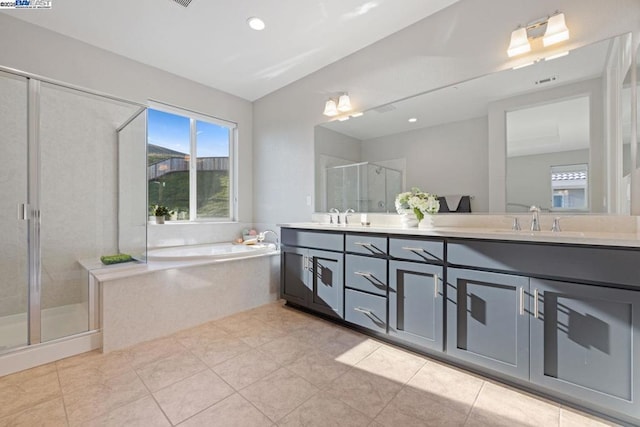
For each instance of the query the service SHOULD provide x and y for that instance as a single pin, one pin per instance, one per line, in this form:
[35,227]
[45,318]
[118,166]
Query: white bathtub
[212,250]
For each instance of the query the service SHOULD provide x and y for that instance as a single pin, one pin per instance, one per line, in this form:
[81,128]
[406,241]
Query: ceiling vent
[546,80]
[183,3]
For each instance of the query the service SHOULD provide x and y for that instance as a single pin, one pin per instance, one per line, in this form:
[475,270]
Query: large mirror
[538,135]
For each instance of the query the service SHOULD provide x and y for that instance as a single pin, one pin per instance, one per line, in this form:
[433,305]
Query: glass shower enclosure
[364,187]
[60,201]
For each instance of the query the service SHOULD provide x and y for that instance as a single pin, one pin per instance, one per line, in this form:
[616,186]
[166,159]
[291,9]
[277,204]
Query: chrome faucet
[335,211]
[262,236]
[346,216]
[535,219]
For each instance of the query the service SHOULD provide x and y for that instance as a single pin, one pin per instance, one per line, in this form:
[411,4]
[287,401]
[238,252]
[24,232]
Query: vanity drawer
[581,263]
[313,239]
[366,274]
[417,250]
[366,245]
[366,310]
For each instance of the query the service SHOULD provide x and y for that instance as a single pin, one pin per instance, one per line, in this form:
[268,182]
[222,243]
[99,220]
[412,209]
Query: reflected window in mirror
[569,187]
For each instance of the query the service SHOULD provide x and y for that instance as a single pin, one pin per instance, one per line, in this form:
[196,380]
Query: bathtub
[183,287]
[208,251]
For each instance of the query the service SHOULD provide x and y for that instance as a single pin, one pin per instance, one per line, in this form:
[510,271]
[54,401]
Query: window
[569,187]
[193,190]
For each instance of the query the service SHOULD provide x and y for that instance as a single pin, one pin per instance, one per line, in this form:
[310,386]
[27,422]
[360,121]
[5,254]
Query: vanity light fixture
[344,103]
[333,108]
[256,23]
[555,31]
[330,108]
[519,43]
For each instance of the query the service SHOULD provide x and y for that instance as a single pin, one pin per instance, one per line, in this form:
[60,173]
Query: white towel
[453,201]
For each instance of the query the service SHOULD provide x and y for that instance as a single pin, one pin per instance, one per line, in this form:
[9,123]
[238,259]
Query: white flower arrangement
[418,202]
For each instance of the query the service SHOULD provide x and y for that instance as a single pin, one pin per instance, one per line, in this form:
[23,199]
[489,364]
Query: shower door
[14,258]
[78,201]
[132,186]
[59,205]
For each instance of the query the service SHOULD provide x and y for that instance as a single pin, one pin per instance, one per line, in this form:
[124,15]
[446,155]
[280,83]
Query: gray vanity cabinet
[366,282]
[311,277]
[585,343]
[416,300]
[327,284]
[488,320]
[366,310]
[295,286]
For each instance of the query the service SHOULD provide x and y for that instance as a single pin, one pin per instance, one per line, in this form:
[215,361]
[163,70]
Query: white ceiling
[210,42]
[549,128]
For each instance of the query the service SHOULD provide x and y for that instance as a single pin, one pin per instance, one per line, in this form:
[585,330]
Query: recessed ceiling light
[256,23]
[413,120]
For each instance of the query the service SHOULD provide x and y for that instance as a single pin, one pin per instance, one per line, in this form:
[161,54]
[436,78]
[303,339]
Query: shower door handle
[23,212]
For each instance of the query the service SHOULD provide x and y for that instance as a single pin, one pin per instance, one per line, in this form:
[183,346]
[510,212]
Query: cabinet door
[416,303]
[488,320]
[294,280]
[327,282]
[585,342]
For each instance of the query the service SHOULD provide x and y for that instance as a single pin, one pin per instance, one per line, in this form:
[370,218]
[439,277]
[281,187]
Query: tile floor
[271,366]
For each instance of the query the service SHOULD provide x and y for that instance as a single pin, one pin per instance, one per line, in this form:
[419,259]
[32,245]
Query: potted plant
[414,205]
[160,212]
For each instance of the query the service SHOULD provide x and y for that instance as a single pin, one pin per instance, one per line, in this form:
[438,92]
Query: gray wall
[529,177]
[446,159]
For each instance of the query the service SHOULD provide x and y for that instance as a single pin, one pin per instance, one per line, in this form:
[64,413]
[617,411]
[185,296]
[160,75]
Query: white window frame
[193,117]
[571,168]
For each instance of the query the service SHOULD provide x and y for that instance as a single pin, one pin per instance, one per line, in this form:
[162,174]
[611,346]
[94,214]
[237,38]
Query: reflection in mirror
[627,163]
[637,80]
[548,156]
[458,144]
[365,187]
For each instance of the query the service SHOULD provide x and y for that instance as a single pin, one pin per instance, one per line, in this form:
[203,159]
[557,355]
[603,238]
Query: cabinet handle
[310,263]
[362,273]
[363,310]
[535,303]
[521,301]
[365,244]
[435,286]
[23,212]
[406,248]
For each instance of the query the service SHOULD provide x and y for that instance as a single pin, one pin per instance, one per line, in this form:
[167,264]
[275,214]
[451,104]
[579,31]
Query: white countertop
[622,239]
[104,273]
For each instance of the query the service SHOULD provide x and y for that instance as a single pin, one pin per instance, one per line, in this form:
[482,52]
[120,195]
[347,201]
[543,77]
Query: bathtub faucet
[262,236]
